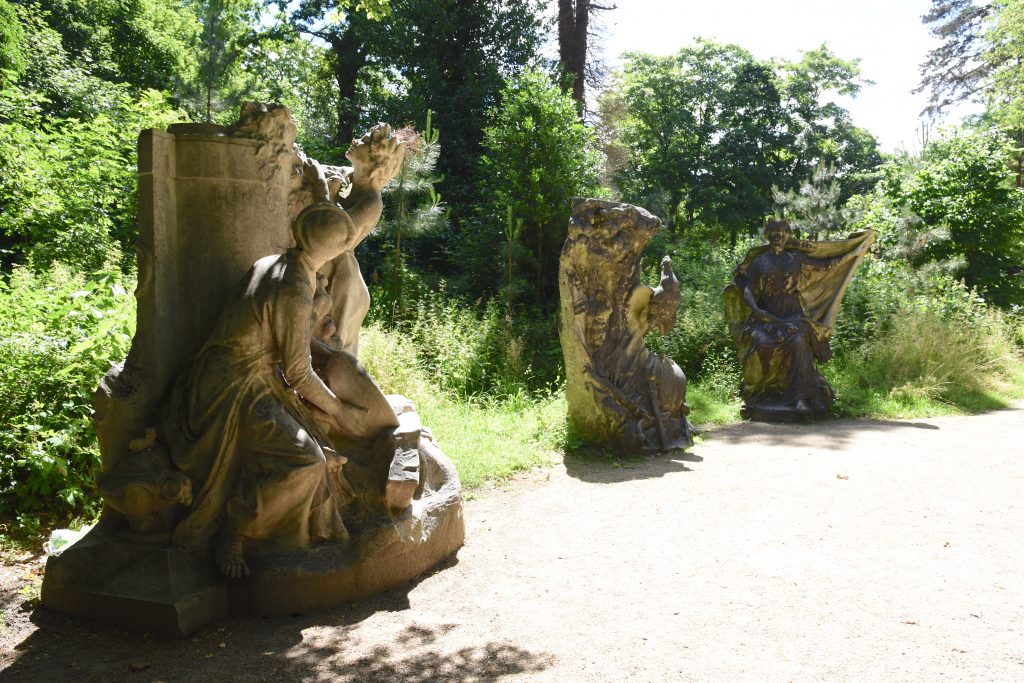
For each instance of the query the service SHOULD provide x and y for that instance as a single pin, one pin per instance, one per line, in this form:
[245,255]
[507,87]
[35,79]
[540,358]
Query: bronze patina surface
[781,308]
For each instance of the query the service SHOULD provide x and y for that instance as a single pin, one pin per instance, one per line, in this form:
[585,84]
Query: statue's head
[777,232]
[323,231]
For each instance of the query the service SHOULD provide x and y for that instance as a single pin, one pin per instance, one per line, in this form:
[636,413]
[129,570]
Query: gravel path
[849,550]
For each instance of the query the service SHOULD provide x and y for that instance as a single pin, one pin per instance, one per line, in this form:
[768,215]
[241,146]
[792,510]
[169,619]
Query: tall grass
[924,364]
[488,437]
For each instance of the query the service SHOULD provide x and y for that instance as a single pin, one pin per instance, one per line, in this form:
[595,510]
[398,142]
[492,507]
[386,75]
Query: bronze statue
[781,309]
[620,394]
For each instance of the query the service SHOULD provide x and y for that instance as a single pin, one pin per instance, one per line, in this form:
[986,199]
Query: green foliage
[494,440]
[470,351]
[538,157]
[12,59]
[68,187]
[918,341]
[218,82]
[701,129]
[67,157]
[490,438]
[924,363]
[700,342]
[142,43]
[710,130]
[978,59]
[412,205]
[296,73]
[57,334]
[814,210]
[460,72]
[970,213]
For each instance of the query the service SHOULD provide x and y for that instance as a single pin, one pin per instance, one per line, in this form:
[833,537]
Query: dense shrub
[914,340]
[965,211]
[57,334]
[538,156]
[68,182]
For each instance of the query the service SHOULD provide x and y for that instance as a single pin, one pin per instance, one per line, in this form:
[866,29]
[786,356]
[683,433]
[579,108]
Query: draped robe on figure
[803,287]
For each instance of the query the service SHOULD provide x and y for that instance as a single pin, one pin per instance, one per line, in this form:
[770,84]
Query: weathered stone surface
[620,394]
[150,588]
[241,432]
[144,583]
[781,308]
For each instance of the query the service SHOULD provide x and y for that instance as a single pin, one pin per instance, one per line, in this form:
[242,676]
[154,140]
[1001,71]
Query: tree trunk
[573,20]
[349,59]
[674,200]
[540,264]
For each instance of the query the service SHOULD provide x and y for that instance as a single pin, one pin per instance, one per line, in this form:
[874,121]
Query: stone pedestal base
[781,413]
[329,575]
[156,588]
[151,589]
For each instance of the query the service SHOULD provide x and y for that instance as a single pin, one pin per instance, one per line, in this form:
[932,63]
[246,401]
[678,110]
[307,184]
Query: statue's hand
[335,460]
[376,158]
[764,316]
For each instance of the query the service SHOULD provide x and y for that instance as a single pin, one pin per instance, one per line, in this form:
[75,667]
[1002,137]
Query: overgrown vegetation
[57,335]
[463,269]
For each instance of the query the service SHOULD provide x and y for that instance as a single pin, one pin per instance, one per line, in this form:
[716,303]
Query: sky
[886,35]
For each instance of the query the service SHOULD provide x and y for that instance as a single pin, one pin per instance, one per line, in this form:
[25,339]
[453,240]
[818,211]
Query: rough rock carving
[781,308]
[620,394]
[250,464]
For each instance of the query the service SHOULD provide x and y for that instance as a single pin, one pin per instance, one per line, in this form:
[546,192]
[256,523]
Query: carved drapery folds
[250,464]
[619,393]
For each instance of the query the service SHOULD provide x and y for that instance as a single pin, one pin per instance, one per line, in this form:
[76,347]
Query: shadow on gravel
[333,645]
[838,432]
[599,466]
[604,467]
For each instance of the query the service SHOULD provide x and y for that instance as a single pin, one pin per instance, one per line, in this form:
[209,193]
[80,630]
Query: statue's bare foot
[229,557]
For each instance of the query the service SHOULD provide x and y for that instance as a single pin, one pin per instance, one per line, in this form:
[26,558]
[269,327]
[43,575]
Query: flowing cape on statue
[821,291]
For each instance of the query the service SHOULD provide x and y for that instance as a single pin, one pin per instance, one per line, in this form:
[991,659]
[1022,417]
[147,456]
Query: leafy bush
[967,210]
[700,342]
[467,350]
[58,332]
[538,156]
[68,180]
[489,437]
[918,341]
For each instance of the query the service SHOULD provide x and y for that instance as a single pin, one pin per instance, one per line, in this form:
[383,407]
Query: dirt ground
[843,551]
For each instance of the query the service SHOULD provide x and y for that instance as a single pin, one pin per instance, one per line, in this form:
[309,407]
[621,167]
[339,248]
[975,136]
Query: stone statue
[241,422]
[620,394]
[250,464]
[781,309]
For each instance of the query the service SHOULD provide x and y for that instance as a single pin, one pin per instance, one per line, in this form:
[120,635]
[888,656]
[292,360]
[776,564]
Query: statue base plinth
[118,579]
[781,413]
[333,574]
[152,589]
